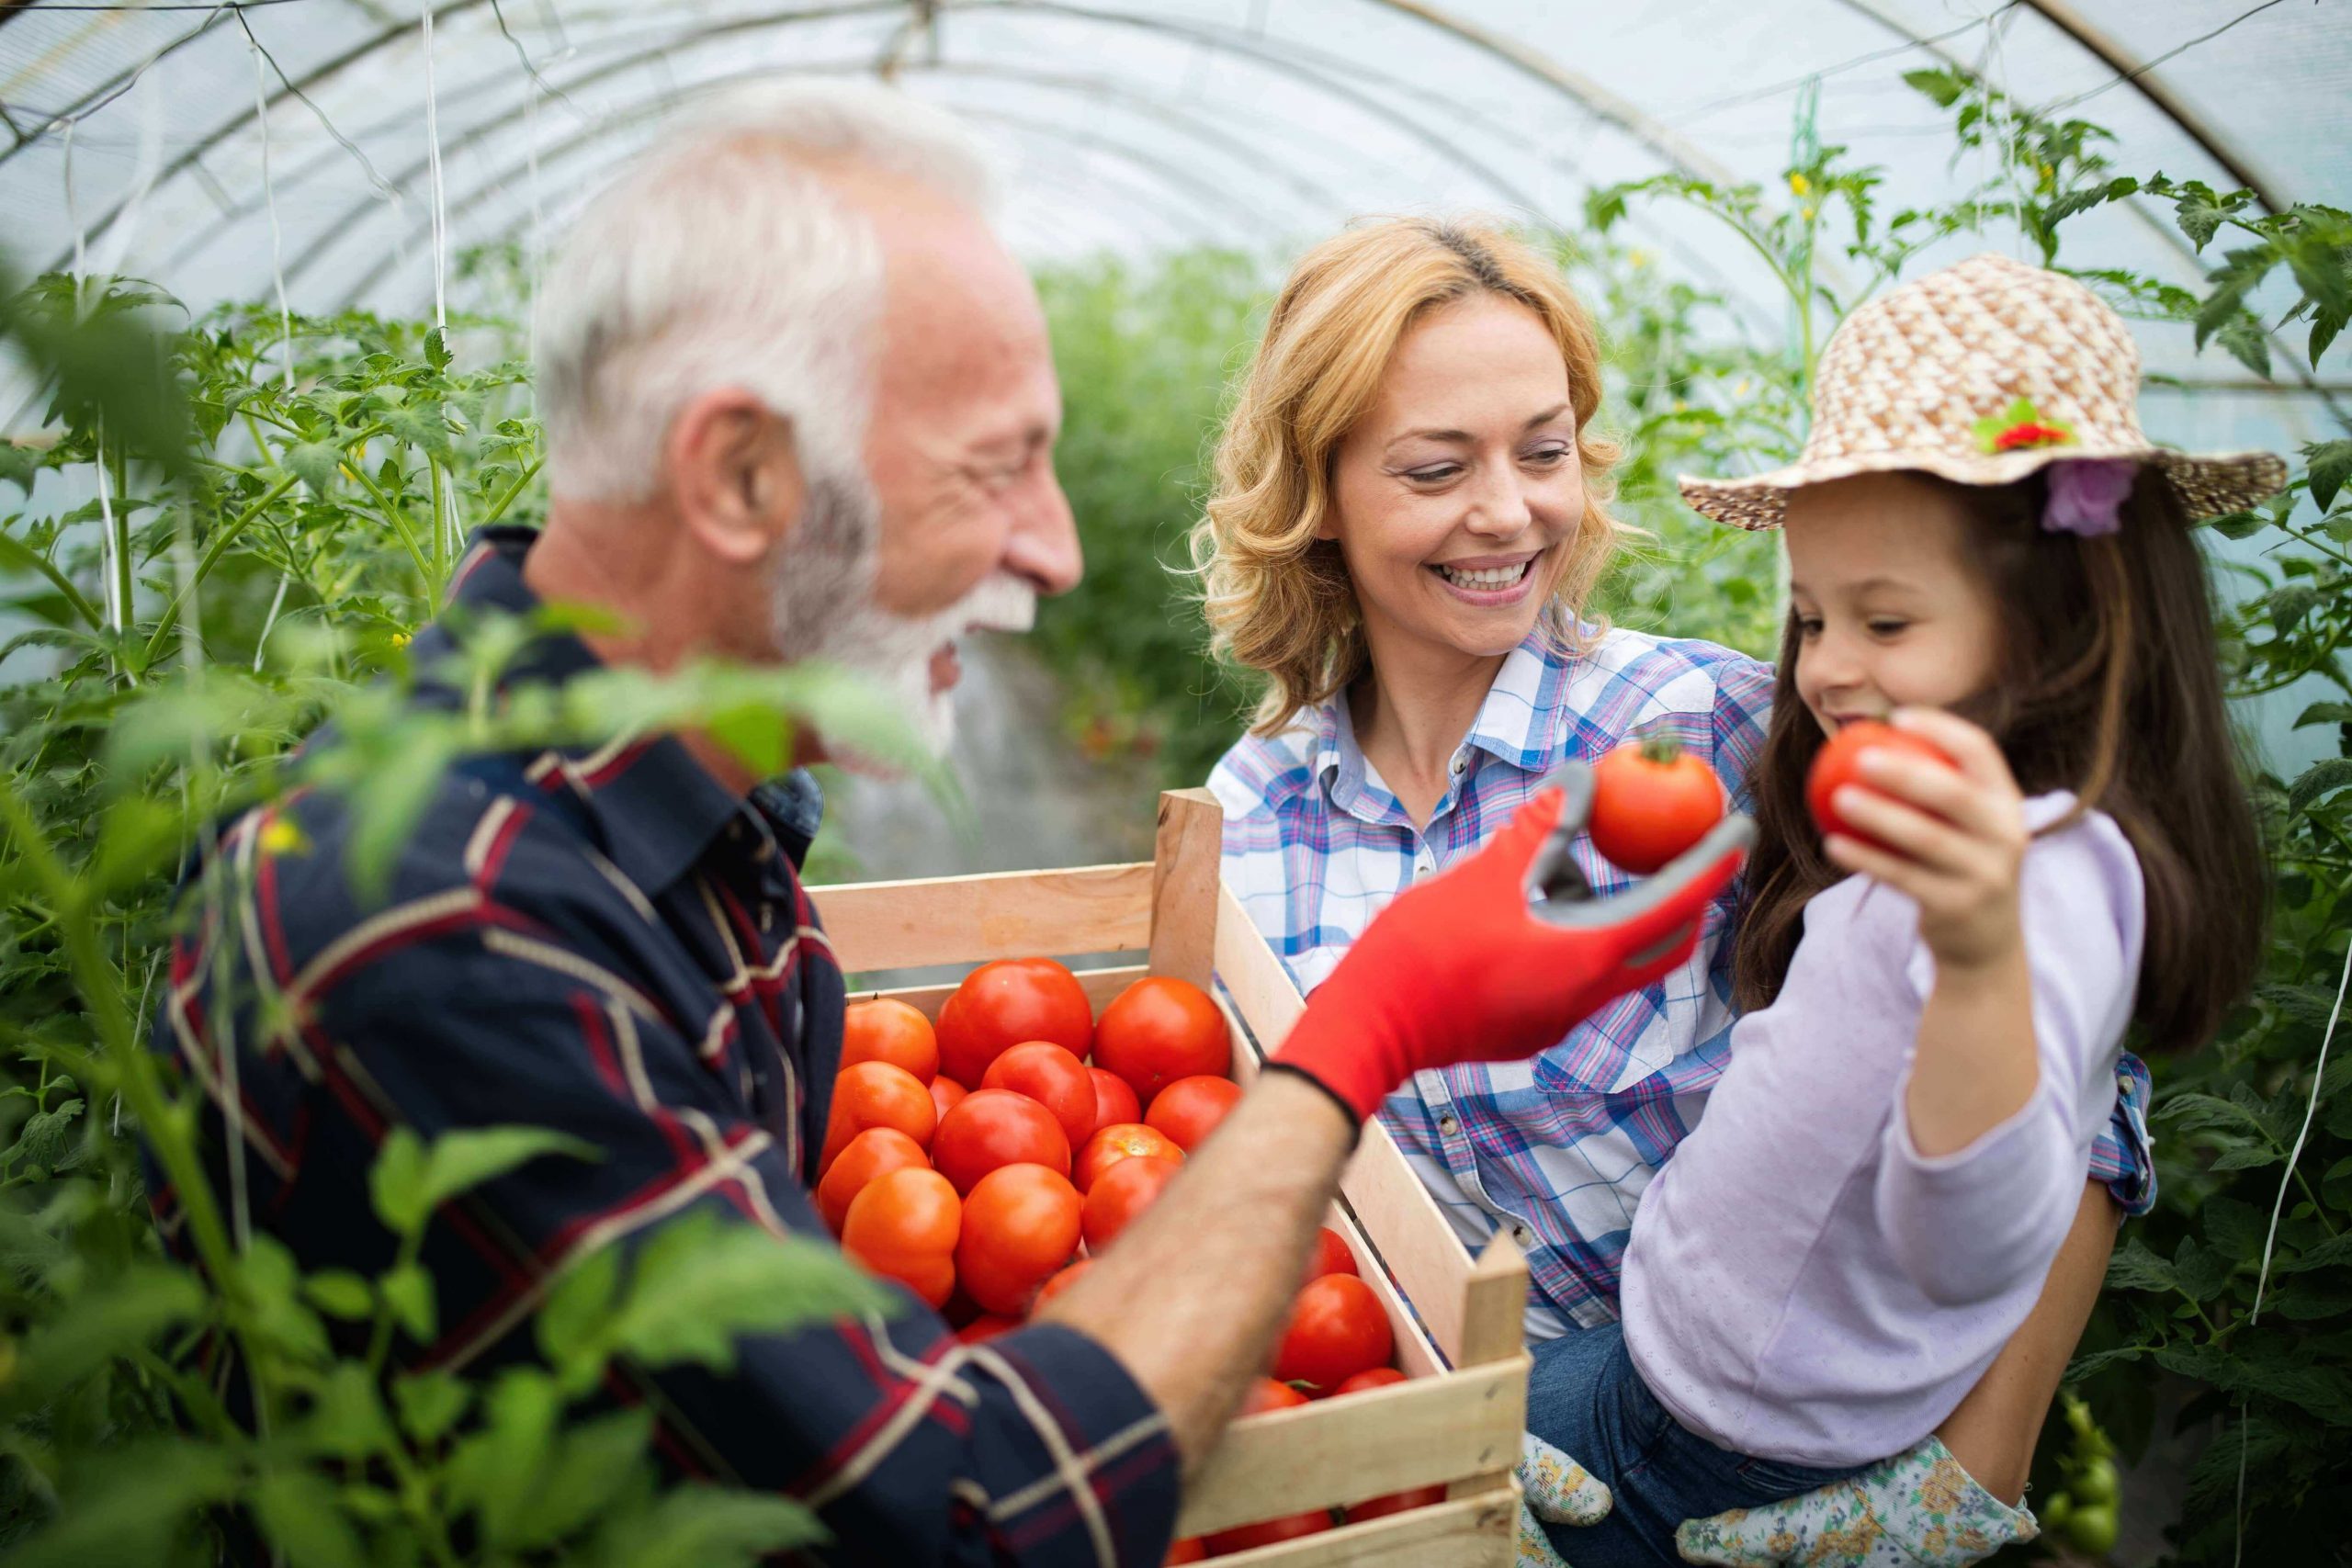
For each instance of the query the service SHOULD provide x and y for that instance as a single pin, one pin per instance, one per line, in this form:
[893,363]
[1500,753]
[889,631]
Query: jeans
[1585,1398]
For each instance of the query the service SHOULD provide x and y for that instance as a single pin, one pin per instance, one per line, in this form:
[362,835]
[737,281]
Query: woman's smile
[1488,582]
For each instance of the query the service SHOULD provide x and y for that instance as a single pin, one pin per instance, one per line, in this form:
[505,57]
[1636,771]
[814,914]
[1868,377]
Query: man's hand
[1919,1509]
[1460,968]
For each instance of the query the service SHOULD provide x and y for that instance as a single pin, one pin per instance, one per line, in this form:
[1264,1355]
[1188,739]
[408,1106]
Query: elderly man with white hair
[800,407]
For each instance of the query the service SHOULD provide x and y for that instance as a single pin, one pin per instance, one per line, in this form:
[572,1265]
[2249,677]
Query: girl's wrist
[1977,967]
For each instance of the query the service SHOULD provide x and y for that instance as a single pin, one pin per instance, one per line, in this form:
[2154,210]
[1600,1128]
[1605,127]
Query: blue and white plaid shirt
[1558,1147]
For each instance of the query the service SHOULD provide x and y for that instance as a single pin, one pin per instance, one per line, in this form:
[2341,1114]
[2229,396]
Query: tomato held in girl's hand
[1336,1330]
[885,1029]
[876,1094]
[1021,1224]
[1331,1255]
[875,1152]
[1161,1029]
[945,1094]
[1001,1004]
[1839,762]
[1224,1543]
[995,1127]
[1379,1377]
[1053,1079]
[1114,1102]
[1123,1189]
[905,1226]
[1393,1503]
[1112,1144]
[1189,1109]
[1651,800]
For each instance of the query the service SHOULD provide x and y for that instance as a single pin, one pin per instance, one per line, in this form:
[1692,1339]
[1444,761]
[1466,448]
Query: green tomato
[2054,1513]
[2092,1529]
[2096,1482]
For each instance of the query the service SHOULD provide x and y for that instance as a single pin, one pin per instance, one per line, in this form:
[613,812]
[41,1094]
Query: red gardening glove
[1461,968]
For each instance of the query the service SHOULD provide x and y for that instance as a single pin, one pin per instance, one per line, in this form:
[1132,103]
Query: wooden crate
[1457,1421]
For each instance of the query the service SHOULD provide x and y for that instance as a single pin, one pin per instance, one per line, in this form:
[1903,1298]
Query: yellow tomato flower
[1806,212]
[400,640]
[283,836]
[1639,257]
[1799,185]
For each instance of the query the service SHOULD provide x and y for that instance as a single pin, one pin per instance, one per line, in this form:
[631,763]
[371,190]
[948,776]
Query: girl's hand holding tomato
[1112,1144]
[875,1152]
[1053,1079]
[877,1094]
[886,1029]
[1001,1004]
[1651,800]
[1122,1192]
[1189,1109]
[1021,1224]
[991,1128]
[1161,1029]
[1951,834]
[1837,764]
[905,1226]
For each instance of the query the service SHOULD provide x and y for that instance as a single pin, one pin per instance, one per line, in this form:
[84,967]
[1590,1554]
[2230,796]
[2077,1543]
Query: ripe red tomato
[1189,1109]
[1379,1377]
[876,1094]
[872,1153]
[906,1226]
[1059,1282]
[988,1326]
[1114,1102]
[1336,1330]
[1222,1543]
[1331,1255]
[994,1127]
[1651,800]
[887,1030]
[945,1094]
[1394,1503]
[1836,764]
[1161,1029]
[1267,1394]
[1112,1144]
[1189,1550]
[1123,1189]
[1053,1079]
[1021,1224]
[1001,1004]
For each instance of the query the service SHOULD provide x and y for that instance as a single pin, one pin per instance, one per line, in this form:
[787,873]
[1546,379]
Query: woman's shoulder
[1709,697]
[1259,773]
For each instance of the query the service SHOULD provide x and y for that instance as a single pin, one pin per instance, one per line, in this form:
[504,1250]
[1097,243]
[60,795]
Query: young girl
[1982,545]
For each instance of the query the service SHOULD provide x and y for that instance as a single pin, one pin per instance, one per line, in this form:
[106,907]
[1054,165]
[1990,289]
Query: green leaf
[396,1183]
[576,1311]
[48,1141]
[339,1292]
[2240,524]
[1946,87]
[2324,713]
[431,1403]
[2290,605]
[695,1526]
[2270,1366]
[2199,1272]
[2334,1252]
[591,1462]
[2330,463]
[436,349]
[2134,1267]
[347,1419]
[2322,777]
[409,1182]
[409,1290]
[298,1513]
[2235,1228]
[315,463]
[2200,213]
[112,1318]
[494,1472]
[2247,343]
[126,1506]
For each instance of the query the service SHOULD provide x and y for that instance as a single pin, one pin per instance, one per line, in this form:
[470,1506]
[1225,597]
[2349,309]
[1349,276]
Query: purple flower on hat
[2086,493]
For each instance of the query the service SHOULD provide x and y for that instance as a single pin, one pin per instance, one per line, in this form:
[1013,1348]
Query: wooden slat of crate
[972,919]
[1099,985]
[1465,1532]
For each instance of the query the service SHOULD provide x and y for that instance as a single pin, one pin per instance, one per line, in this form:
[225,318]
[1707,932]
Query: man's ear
[735,473]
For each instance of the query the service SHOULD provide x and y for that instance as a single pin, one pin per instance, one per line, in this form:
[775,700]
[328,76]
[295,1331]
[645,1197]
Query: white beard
[825,613]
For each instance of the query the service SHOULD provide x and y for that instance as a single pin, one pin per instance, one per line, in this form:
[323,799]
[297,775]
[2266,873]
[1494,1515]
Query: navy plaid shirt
[613,944]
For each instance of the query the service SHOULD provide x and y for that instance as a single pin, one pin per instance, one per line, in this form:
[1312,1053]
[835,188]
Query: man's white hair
[718,259]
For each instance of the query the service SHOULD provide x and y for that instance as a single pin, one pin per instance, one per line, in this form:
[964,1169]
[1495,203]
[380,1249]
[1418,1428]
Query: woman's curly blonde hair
[1278,600]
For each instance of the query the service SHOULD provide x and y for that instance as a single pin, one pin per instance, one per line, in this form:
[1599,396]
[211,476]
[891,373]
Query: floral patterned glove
[1558,1489]
[1919,1509]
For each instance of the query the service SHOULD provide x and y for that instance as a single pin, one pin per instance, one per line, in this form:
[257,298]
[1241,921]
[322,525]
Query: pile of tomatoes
[983,1160]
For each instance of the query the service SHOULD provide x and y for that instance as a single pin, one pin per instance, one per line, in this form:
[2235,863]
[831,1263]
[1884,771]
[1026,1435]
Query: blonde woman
[1410,513]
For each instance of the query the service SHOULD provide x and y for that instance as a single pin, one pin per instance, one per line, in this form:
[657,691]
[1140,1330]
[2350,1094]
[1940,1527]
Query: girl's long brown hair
[2108,685]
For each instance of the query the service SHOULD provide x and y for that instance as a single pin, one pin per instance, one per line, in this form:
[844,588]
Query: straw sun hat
[1982,373]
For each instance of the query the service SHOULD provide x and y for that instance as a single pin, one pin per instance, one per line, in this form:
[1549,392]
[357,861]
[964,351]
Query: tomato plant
[877,1094]
[1000,1005]
[906,1225]
[1189,1109]
[1838,761]
[1337,1330]
[1021,1224]
[1114,1102]
[1651,800]
[1112,1144]
[886,1029]
[1053,1079]
[991,1128]
[1161,1029]
[1120,1191]
[875,1152]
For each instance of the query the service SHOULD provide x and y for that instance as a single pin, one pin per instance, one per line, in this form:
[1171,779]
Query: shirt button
[1519,1235]
[1448,1125]
[1460,765]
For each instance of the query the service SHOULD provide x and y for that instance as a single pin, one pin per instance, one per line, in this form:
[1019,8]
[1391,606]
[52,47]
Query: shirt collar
[657,808]
[1519,722]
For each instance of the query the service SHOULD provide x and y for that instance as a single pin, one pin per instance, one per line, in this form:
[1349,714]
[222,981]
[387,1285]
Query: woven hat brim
[2206,486]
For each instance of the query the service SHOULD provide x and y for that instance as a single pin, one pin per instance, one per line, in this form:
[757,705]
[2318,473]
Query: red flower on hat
[2020,427]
